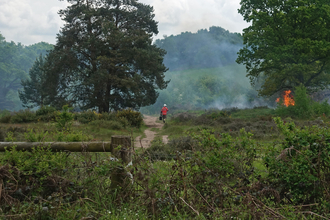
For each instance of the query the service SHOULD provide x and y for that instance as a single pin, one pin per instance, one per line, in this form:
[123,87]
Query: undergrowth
[210,175]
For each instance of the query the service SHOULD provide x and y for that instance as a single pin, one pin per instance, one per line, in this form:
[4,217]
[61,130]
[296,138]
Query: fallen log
[59,146]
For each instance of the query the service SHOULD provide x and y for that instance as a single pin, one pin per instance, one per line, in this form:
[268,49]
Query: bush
[48,117]
[300,167]
[134,118]
[225,155]
[64,119]
[303,107]
[86,116]
[217,114]
[24,116]
[107,116]
[321,108]
[41,161]
[45,110]
[5,119]
[32,136]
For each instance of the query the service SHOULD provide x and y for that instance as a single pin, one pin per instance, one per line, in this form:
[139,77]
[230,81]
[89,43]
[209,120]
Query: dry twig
[313,213]
[190,206]
[202,197]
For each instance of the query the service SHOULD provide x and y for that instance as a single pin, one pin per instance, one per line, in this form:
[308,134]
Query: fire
[287,98]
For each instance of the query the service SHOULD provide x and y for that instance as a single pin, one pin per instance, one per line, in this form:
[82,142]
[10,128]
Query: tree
[287,44]
[104,56]
[11,72]
[15,62]
[34,88]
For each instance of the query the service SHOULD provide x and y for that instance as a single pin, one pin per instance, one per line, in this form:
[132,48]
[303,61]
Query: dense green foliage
[134,118]
[205,49]
[15,62]
[300,167]
[287,44]
[104,57]
[205,175]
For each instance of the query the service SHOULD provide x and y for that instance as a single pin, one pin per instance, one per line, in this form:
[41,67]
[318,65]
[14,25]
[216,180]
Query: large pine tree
[104,56]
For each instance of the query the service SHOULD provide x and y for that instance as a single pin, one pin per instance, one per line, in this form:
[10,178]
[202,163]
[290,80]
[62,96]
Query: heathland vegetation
[268,161]
[219,164]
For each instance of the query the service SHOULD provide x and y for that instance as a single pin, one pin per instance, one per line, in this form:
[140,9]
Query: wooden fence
[120,147]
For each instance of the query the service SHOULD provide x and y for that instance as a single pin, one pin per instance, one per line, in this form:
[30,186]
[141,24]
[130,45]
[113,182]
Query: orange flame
[287,98]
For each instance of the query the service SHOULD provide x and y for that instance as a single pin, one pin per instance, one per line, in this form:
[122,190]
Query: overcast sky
[33,21]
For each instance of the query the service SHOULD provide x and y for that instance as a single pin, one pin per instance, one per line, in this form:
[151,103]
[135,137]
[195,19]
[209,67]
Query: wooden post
[121,148]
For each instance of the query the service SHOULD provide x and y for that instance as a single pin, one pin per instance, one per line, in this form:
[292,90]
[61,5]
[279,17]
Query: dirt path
[150,122]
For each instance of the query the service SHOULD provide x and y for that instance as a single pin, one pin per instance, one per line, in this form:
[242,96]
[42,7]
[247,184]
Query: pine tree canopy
[104,56]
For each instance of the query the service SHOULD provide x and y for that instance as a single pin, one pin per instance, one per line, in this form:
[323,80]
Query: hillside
[220,87]
[205,49]
[204,73]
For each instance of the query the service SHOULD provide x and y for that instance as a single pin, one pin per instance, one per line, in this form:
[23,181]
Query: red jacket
[164,110]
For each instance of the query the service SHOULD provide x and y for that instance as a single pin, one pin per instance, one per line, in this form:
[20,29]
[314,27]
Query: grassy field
[217,165]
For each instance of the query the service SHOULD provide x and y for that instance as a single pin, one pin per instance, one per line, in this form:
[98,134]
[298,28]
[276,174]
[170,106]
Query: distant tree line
[15,62]
[205,49]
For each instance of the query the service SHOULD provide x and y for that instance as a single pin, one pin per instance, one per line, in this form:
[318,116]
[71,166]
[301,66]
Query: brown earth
[150,122]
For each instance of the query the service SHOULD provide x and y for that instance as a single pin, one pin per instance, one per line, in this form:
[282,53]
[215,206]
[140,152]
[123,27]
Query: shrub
[48,117]
[302,107]
[87,116]
[225,155]
[45,110]
[41,162]
[217,114]
[64,119]
[300,166]
[160,151]
[24,116]
[5,119]
[5,116]
[107,116]
[321,108]
[32,136]
[134,118]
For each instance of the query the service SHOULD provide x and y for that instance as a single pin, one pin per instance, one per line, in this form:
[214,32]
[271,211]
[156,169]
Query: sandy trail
[150,122]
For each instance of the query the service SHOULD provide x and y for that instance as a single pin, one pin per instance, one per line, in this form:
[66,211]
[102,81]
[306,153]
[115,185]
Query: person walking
[163,112]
